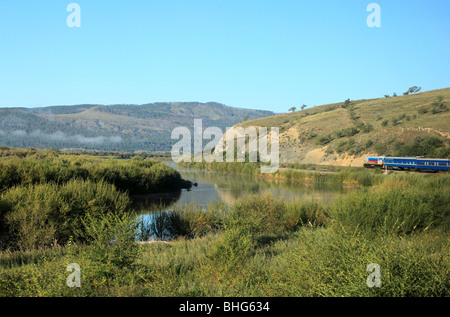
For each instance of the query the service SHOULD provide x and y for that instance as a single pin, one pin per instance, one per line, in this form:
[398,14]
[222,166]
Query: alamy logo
[74,279]
[374,278]
[233,145]
[374,19]
[74,18]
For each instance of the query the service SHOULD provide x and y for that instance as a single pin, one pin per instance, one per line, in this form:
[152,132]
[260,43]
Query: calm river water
[219,186]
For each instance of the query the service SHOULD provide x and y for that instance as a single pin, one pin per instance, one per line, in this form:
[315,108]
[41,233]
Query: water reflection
[226,187]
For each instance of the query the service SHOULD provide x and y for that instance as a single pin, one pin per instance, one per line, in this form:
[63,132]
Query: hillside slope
[343,133]
[115,127]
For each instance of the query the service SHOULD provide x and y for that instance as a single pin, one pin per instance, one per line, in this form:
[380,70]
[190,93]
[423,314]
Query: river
[226,187]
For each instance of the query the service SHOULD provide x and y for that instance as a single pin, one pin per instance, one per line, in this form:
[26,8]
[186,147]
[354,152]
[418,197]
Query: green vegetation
[48,197]
[135,176]
[302,173]
[126,128]
[261,246]
[412,90]
[426,146]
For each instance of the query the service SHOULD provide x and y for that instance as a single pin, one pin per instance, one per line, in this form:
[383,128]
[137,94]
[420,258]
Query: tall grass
[260,246]
[188,222]
[351,176]
[135,176]
[35,216]
[401,205]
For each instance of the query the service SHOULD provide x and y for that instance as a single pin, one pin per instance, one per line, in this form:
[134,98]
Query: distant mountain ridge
[120,127]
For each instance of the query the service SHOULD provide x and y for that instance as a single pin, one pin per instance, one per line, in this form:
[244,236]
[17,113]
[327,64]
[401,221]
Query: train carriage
[400,162]
[408,163]
[433,164]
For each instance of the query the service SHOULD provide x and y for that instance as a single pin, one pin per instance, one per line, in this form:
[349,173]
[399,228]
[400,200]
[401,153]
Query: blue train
[408,163]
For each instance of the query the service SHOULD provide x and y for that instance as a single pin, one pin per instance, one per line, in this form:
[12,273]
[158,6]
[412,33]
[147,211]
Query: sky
[264,54]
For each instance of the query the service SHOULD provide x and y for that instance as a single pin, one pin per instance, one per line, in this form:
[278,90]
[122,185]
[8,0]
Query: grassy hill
[112,128]
[343,133]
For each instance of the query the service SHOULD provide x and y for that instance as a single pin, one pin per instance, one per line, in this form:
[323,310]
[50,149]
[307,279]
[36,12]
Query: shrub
[422,110]
[258,214]
[190,221]
[136,176]
[112,239]
[232,248]
[323,140]
[426,146]
[347,132]
[380,149]
[368,144]
[37,215]
[395,210]
[309,213]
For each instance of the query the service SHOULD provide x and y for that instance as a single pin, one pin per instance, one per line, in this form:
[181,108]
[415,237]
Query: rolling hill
[113,128]
[343,133]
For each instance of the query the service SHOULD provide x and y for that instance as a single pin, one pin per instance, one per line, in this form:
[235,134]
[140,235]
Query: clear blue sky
[258,54]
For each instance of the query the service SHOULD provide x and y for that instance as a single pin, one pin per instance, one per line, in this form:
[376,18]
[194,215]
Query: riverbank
[46,196]
[304,173]
[262,246]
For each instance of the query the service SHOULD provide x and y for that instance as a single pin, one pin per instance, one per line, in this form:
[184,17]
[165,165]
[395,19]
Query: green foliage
[325,139]
[190,222]
[348,132]
[395,121]
[232,248]
[346,103]
[368,144]
[126,128]
[38,215]
[308,213]
[439,105]
[380,149]
[350,146]
[112,238]
[135,176]
[399,209]
[426,146]
[365,127]
[412,90]
[258,214]
[318,250]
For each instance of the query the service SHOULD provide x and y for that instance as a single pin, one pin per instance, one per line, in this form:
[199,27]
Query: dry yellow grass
[300,131]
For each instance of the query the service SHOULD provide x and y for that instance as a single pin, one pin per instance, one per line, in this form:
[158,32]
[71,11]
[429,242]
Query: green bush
[426,146]
[396,210]
[258,214]
[232,248]
[35,216]
[112,239]
[136,176]
[310,213]
[190,221]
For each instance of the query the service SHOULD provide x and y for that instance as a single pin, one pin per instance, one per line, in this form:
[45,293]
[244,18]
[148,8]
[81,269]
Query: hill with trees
[343,133]
[122,127]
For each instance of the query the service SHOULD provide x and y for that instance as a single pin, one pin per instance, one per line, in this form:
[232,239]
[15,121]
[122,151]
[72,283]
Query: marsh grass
[134,176]
[187,222]
[34,216]
[260,246]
